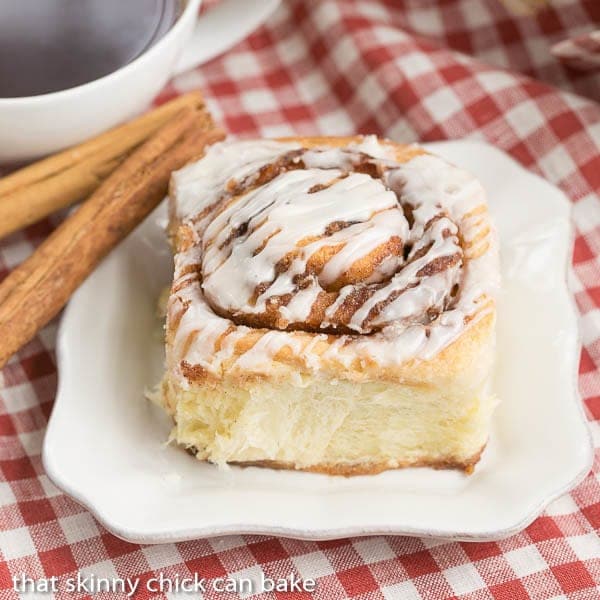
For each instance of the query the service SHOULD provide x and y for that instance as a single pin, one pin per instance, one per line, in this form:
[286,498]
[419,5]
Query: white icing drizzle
[407,305]
[199,184]
[280,216]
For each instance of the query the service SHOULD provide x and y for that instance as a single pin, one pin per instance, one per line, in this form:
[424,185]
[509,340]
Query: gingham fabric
[488,30]
[341,67]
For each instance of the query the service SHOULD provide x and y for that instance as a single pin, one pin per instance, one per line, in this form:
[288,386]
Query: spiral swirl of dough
[324,254]
[327,242]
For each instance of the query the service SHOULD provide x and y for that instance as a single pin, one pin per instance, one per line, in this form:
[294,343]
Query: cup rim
[190,6]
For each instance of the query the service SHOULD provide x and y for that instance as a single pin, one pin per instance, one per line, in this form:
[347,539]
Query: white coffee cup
[33,126]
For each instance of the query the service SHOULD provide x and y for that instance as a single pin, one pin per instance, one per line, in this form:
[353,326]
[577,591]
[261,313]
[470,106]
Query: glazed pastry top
[366,251]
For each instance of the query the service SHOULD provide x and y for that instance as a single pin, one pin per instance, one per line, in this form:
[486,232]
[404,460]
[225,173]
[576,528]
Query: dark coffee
[52,45]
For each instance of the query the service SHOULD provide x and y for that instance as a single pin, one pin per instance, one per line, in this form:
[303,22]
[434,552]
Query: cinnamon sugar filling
[336,294]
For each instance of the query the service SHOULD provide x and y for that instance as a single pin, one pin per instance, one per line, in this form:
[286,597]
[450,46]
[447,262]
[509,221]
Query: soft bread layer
[317,423]
[332,426]
[432,413]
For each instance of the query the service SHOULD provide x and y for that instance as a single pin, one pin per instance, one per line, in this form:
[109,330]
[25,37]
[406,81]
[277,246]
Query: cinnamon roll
[332,307]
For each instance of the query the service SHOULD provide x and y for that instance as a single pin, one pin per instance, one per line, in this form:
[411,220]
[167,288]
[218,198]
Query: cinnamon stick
[31,193]
[37,290]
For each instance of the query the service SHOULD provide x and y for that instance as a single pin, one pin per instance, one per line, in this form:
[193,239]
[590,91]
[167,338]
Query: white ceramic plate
[105,444]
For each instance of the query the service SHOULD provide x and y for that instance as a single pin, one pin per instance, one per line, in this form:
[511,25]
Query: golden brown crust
[371,468]
[446,365]
[404,152]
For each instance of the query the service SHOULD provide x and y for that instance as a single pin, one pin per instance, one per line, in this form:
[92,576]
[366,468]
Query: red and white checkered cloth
[488,30]
[341,67]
